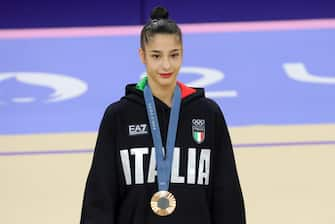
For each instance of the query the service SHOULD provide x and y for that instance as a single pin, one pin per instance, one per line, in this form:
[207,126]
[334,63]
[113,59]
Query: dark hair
[159,24]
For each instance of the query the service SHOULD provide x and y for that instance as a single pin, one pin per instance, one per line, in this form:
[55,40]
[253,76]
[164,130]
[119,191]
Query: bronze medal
[163,203]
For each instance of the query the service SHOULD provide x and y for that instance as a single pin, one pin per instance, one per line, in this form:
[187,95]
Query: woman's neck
[163,93]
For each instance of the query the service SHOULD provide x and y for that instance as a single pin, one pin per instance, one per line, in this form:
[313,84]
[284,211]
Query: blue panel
[186,11]
[252,63]
[64,13]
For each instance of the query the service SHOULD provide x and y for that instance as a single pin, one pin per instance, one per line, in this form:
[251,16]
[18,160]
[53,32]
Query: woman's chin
[166,82]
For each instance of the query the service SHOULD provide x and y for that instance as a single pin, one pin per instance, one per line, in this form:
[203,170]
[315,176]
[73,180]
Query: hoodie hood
[134,92]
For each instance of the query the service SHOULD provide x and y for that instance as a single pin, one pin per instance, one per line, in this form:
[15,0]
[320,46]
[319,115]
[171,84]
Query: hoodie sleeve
[228,204]
[101,191]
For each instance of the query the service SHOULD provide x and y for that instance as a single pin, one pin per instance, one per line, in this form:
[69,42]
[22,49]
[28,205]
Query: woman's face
[162,57]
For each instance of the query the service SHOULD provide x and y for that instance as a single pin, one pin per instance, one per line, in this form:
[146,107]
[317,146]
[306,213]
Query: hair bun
[159,13]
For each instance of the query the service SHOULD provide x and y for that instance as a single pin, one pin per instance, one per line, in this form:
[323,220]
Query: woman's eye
[174,55]
[155,56]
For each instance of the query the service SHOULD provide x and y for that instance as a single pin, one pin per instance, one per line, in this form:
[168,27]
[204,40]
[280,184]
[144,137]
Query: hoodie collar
[185,90]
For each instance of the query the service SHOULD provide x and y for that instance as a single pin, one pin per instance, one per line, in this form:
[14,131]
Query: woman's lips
[165,75]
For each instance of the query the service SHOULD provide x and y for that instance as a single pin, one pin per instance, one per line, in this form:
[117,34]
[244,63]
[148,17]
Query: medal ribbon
[164,163]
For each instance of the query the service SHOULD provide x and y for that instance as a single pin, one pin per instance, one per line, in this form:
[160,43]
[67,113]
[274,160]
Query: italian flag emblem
[198,136]
[198,130]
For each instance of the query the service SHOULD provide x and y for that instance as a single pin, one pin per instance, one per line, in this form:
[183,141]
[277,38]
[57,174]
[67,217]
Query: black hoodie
[122,178]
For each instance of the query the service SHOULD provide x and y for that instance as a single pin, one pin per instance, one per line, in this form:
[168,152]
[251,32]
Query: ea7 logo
[138,129]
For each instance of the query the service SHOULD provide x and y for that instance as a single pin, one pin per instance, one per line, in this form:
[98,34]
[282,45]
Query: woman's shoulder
[122,106]
[209,104]
[116,107]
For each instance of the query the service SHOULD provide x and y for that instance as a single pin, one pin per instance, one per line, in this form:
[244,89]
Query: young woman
[163,153]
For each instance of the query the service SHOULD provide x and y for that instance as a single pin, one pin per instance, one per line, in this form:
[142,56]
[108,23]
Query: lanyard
[164,163]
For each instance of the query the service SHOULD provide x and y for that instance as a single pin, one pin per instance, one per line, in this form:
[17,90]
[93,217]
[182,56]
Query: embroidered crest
[198,130]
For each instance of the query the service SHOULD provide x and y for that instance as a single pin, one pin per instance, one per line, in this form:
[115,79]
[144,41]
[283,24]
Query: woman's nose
[166,64]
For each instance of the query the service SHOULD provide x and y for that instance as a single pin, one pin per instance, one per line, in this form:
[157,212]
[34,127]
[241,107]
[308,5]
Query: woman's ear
[142,55]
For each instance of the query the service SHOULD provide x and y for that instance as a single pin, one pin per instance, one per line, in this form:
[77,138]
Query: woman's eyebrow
[158,51]
[155,51]
[175,50]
